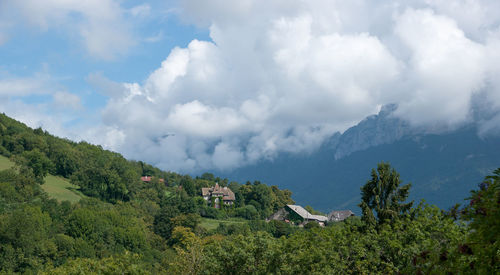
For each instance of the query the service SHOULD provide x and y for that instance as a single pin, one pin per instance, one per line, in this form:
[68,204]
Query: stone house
[218,195]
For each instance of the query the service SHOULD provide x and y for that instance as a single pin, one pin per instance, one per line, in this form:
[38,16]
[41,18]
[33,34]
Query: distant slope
[61,189]
[58,188]
[442,168]
[5,163]
[212,224]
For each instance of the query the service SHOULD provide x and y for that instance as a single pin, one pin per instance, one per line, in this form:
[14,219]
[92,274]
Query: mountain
[442,167]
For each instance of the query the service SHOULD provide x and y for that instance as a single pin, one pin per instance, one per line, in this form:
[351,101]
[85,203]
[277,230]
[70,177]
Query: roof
[340,215]
[226,193]
[305,214]
[319,218]
[149,178]
[205,191]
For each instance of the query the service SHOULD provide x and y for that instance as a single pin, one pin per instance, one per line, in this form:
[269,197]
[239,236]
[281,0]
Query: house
[299,214]
[218,194]
[337,216]
[148,179]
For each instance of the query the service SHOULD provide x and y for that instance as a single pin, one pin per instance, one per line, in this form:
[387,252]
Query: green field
[61,189]
[5,163]
[211,224]
[58,188]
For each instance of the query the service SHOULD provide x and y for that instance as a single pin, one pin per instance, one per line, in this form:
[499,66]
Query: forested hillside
[122,225]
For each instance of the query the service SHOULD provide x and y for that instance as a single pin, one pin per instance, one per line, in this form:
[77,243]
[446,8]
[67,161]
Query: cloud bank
[283,76]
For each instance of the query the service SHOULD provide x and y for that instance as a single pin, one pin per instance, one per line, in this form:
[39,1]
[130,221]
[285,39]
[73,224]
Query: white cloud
[445,68]
[493,67]
[208,122]
[155,38]
[141,10]
[39,101]
[256,90]
[38,115]
[38,84]
[282,76]
[227,157]
[105,86]
[101,25]
[65,100]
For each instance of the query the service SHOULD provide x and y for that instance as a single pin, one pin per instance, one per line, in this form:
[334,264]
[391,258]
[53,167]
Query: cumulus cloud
[445,68]
[277,76]
[283,76]
[101,25]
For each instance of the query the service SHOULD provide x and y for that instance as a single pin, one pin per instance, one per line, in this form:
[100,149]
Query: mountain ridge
[436,162]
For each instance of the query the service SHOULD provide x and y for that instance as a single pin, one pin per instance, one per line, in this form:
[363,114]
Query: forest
[122,225]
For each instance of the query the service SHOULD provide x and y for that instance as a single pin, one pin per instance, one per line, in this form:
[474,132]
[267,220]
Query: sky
[201,85]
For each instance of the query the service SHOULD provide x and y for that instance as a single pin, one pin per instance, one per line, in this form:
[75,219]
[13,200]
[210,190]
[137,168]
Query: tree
[312,211]
[189,249]
[383,195]
[162,224]
[25,240]
[188,185]
[38,162]
[483,213]
[126,263]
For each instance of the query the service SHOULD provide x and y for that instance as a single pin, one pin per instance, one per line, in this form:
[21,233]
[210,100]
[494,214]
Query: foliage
[25,239]
[312,211]
[129,227]
[118,264]
[383,195]
[38,162]
[483,213]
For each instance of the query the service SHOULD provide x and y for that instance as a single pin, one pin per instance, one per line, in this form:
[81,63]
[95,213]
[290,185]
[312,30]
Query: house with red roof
[148,179]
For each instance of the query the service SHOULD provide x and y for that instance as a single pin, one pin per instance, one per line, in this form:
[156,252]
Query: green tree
[484,216]
[188,185]
[189,250]
[163,224]
[255,253]
[312,211]
[127,263]
[37,162]
[25,240]
[383,196]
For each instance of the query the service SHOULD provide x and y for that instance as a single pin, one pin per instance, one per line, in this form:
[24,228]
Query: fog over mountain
[443,165]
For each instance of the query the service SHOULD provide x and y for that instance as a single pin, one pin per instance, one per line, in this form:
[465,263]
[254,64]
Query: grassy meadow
[5,163]
[58,188]
[211,224]
[61,189]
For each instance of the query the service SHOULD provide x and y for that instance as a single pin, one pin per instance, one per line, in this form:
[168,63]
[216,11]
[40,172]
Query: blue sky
[58,53]
[193,85]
